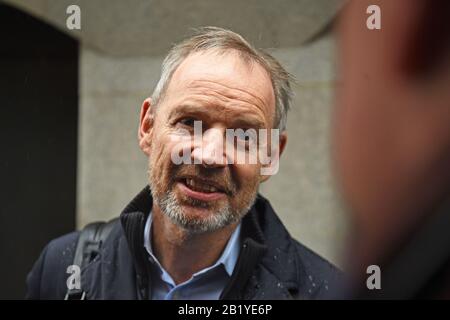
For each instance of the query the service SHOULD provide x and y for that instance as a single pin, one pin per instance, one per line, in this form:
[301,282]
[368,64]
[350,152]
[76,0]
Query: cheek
[160,156]
[160,145]
[248,177]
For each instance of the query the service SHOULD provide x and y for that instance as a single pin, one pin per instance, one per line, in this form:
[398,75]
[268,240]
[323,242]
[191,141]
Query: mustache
[220,178]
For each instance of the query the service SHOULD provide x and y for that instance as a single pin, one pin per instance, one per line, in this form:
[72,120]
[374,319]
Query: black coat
[271,264]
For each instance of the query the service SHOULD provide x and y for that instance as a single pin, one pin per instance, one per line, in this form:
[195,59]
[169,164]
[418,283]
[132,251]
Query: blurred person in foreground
[392,146]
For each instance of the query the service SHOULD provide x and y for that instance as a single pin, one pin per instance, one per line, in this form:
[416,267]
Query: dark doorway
[39,116]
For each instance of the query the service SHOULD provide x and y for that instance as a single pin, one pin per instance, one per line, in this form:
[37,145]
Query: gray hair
[208,38]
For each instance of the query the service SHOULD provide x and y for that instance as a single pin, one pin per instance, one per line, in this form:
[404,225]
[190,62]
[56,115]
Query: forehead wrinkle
[228,92]
[228,81]
[217,96]
[213,110]
[225,104]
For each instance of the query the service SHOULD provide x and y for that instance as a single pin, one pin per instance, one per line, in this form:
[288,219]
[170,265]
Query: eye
[246,138]
[244,135]
[189,122]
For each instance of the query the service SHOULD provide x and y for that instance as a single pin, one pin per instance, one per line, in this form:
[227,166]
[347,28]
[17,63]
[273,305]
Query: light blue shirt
[206,284]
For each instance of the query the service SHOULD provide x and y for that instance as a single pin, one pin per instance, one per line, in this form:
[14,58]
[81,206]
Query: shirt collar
[228,258]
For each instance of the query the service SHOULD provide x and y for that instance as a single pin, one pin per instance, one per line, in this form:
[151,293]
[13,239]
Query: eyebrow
[249,121]
[186,108]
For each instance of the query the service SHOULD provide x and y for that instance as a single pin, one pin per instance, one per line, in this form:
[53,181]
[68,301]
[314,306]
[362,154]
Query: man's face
[223,92]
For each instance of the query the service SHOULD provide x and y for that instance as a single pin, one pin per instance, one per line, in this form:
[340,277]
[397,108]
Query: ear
[281,146]
[283,142]
[146,122]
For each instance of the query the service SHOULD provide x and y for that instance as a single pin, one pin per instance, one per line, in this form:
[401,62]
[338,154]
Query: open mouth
[201,190]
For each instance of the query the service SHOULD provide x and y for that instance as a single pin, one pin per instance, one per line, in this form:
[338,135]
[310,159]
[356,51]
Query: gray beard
[171,207]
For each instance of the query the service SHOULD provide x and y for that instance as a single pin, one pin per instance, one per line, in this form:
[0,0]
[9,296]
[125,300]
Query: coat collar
[268,252]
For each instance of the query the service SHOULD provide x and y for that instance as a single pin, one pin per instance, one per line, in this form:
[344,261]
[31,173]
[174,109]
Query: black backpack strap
[89,243]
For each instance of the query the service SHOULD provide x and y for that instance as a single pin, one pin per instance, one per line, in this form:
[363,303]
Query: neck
[183,253]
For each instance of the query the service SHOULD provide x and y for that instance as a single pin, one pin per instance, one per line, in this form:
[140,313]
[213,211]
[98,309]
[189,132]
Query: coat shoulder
[319,277]
[47,279]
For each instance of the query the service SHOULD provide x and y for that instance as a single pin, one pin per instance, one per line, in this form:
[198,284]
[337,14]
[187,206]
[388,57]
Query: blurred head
[218,80]
[391,123]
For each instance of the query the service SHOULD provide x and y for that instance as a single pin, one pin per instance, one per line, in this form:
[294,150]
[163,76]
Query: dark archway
[39,116]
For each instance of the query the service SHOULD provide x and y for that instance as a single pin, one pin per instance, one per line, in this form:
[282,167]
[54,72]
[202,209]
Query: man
[200,230]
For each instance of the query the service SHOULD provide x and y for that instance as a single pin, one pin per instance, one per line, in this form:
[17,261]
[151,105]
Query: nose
[209,150]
